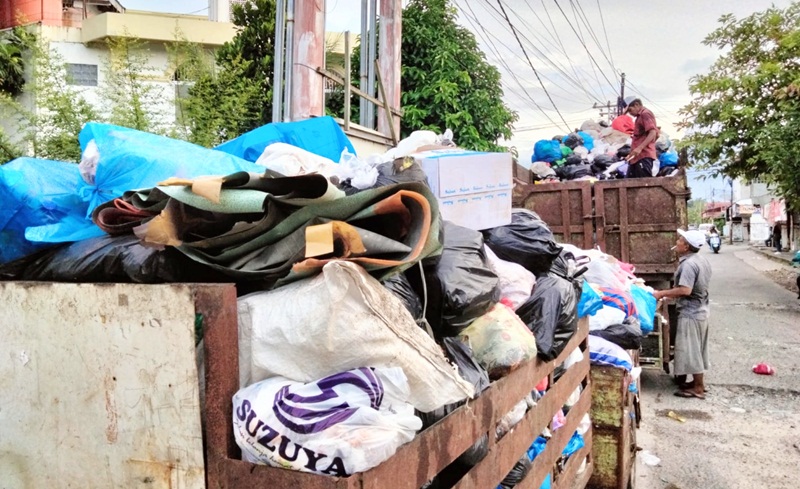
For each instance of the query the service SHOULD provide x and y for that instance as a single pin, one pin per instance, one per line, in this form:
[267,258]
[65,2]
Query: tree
[447,82]
[251,52]
[695,210]
[744,120]
[222,105]
[50,128]
[132,97]
[13,44]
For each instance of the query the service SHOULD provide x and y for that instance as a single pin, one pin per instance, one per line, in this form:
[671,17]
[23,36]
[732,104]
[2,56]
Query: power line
[519,41]
[542,56]
[585,20]
[502,62]
[594,61]
[581,85]
[605,33]
[474,20]
[560,42]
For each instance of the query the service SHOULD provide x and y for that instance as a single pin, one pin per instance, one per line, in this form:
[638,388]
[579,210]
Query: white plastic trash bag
[345,423]
[515,282]
[292,161]
[605,317]
[336,321]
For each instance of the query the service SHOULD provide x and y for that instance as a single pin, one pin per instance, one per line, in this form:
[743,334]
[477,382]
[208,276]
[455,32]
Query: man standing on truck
[643,146]
[691,291]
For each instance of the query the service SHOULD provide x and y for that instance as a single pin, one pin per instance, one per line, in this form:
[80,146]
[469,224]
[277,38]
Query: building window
[83,75]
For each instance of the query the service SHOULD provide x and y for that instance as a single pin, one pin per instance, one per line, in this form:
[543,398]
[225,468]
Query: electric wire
[585,21]
[561,43]
[474,20]
[493,48]
[605,33]
[519,41]
[591,57]
[543,57]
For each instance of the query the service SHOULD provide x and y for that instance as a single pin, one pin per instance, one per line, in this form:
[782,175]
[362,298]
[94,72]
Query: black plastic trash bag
[400,171]
[627,335]
[572,140]
[527,241]
[552,314]
[460,354]
[572,172]
[624,151]
[399,285]
[116,259]
[603,161]
[462,286]
[573,159]
[520,470]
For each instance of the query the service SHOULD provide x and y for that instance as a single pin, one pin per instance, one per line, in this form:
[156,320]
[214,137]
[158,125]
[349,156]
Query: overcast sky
[656,43]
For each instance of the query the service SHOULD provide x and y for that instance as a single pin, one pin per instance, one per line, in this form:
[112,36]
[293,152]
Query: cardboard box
[473,188]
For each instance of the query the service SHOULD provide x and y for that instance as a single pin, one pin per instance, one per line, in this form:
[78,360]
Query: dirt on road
[746,433]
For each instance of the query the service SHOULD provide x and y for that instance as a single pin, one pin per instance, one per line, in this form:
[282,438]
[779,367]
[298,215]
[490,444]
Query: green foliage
[222,105]
[13,45]
[51,130]
[62,109]
[745,116]
[188,64]
[251,53]
[695,209]
[447,82]
[131,96]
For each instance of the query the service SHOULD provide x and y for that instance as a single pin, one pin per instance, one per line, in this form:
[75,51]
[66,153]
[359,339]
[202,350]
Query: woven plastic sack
[336,321]
[342,424]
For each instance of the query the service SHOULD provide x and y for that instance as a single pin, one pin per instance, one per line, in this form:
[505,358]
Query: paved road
[746,434]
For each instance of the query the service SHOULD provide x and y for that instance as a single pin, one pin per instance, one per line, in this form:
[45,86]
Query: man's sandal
[689,395]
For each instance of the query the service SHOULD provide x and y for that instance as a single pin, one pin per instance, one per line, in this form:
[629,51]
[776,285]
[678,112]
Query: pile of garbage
[363,316]
[595,152]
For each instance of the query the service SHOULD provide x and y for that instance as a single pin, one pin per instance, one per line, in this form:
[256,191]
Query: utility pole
[621,99]
[606,110]
[730,213]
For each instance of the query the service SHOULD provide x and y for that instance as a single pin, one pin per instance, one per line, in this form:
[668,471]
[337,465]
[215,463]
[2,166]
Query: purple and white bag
[345,423]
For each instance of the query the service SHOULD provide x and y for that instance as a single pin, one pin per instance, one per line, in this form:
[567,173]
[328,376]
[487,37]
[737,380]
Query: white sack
[345,423]
[336,321]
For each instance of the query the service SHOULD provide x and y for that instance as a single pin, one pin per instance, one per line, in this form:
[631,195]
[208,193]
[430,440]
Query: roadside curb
[786,260]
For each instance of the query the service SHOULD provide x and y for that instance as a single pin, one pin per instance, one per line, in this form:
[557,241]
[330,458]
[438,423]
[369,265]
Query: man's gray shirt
[694,271]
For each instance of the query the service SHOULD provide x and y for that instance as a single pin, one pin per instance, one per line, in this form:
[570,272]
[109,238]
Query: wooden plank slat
[491,470]
[442,443]
[544,462]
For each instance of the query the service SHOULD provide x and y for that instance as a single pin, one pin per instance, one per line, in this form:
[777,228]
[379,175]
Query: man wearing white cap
[643,143]
[691,290]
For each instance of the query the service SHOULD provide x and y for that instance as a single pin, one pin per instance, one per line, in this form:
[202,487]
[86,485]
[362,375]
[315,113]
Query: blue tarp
[319,135]
[35,192]
[131,159]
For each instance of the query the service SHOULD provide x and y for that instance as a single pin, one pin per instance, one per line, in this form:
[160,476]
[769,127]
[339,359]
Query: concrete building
[757,199]
[78,29]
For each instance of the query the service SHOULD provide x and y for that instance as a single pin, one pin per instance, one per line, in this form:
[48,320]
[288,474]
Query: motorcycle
[715,242]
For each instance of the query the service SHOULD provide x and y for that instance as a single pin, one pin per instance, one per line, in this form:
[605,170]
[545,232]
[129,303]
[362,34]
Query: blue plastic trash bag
[588,140]
[546,150]
[575,443]
[590,302]
[319,135]
[668,158]
[130,159]
[646,305]
[35,192]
